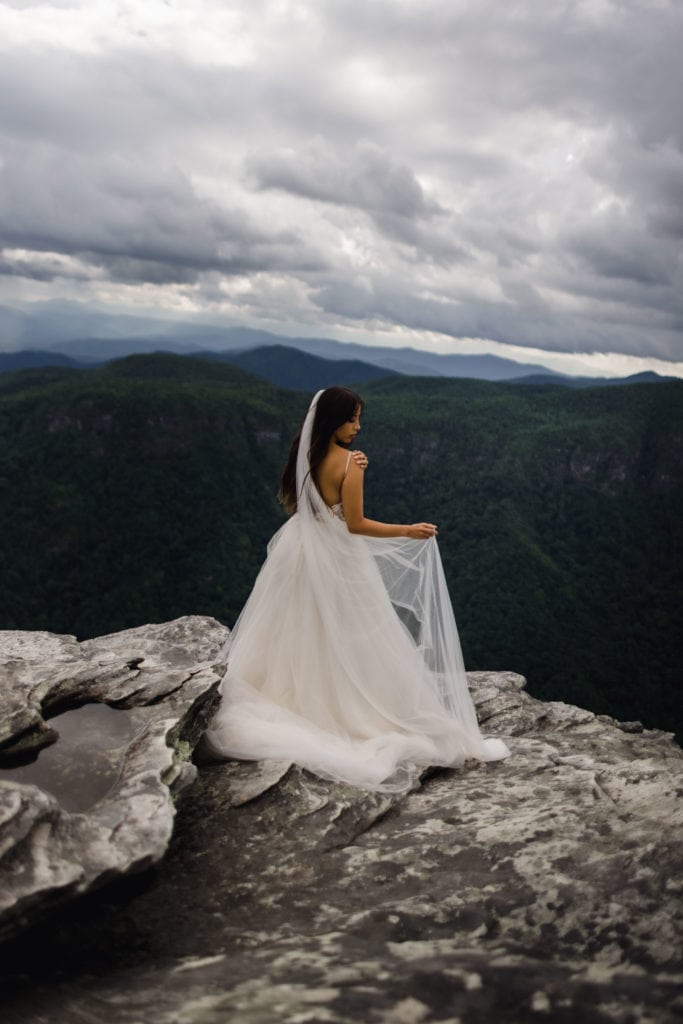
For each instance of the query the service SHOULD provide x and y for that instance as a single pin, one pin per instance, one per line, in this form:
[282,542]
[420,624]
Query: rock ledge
[162,680]
[546,887]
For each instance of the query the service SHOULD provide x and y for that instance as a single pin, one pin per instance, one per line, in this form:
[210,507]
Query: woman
[345,658]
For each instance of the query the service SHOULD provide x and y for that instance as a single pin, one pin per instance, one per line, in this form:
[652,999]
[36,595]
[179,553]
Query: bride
[346,658]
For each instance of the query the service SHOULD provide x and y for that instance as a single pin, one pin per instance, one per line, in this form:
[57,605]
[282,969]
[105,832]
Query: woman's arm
[352,501]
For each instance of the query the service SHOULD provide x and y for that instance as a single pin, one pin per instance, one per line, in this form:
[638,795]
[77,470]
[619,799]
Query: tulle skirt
[346,661]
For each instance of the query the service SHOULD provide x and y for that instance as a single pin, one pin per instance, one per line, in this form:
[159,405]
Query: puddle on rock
[84,763]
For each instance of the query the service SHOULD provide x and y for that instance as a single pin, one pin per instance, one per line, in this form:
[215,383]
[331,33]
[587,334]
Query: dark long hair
[335,406]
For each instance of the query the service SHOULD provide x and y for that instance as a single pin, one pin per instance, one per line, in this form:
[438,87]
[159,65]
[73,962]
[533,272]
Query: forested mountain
[145,489]
[646,377]
[292,368]
[135,491]
[560,528]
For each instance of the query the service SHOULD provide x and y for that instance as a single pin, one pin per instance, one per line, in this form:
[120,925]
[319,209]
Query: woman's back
[330,474]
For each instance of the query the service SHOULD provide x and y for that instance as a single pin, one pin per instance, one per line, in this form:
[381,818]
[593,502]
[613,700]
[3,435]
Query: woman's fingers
[422,531]
[360,458]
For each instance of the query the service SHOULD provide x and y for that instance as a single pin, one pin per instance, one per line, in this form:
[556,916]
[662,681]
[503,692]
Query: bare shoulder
[332,466]
[335,459]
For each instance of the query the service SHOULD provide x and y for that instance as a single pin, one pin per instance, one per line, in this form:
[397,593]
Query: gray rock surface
[543,888]
[99,802]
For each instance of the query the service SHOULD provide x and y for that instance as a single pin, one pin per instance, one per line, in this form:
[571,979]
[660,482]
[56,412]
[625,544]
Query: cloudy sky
[460,175]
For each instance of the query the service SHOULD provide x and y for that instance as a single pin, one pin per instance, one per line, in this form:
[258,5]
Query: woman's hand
[361,459]
[421,531]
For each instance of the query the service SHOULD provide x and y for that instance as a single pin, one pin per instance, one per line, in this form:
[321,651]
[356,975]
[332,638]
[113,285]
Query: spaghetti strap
[346,467]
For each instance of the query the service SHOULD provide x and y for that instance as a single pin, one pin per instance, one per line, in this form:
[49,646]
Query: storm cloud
[422,171]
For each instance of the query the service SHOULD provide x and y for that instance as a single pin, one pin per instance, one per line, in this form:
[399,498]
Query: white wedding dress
[346,658]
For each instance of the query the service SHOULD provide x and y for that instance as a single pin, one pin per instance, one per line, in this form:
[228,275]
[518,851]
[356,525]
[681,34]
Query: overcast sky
[461,175]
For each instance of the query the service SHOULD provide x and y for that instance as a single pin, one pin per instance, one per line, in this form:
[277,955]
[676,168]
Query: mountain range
[300,368]
[92,336]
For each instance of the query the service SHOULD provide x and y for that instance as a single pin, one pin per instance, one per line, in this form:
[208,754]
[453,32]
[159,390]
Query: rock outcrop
[546,887]
[101,805]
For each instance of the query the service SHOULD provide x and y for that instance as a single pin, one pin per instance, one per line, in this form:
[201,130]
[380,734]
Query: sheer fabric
[346,658]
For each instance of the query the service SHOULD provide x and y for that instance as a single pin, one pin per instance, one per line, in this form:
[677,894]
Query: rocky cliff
[545,887]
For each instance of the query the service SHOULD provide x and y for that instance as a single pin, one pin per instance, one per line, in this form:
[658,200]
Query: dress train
[346,660]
